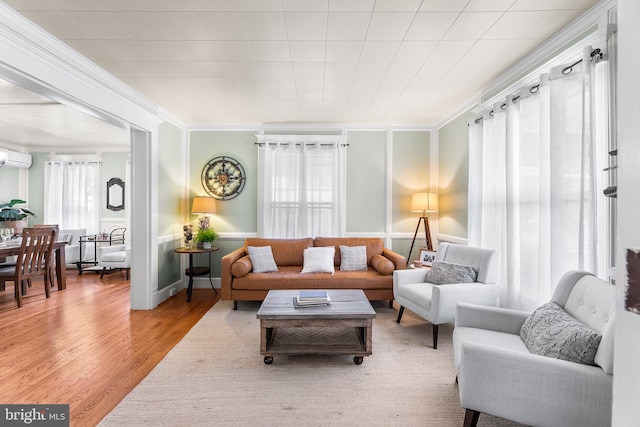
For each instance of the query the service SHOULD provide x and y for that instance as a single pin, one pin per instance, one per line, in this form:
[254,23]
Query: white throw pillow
[262,259]
[319,260]
[353,258]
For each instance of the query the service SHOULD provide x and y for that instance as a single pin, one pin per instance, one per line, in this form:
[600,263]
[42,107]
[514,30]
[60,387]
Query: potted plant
[14,217]
[206,237]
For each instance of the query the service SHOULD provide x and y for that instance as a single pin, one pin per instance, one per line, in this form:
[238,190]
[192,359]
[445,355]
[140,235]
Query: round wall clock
[223,177]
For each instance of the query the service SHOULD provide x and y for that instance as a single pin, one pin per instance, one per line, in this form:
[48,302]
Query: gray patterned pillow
[262,259]
[550,331]
[442,272]
[353,258]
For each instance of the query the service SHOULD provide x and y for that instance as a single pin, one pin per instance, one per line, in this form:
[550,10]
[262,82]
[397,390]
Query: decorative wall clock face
[223,177]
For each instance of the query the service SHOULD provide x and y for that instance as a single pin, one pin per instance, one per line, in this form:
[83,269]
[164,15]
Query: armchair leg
[435,337]
[400,312]
[471,418]
[102,272]
[235,304]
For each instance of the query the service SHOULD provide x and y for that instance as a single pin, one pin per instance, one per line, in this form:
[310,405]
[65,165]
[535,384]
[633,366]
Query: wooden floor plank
[84,346]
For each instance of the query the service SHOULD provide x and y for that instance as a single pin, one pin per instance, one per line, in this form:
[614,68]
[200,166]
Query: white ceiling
[387,62]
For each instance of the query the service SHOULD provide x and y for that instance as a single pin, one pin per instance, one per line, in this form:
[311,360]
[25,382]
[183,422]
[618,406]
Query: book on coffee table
[311,298]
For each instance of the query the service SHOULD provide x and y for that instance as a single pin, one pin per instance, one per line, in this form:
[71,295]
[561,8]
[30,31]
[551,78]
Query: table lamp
[204,205]
[423,202]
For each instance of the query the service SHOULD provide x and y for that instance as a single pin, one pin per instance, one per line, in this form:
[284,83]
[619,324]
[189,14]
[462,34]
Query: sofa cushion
[285,251]
[550,331]
[318,260]
[353,258]
[443,272]
[262,259]
[374,245]
[382,265]
[241,267]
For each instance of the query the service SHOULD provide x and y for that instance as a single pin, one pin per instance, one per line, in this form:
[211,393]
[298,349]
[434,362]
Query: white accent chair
[114,257]
[437,303]
[498,375]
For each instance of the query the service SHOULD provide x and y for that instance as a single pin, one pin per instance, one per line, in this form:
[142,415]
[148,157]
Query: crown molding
[35,59]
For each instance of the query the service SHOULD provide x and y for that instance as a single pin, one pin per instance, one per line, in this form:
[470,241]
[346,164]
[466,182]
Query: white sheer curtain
[301,186]
[533,190]
[72,194]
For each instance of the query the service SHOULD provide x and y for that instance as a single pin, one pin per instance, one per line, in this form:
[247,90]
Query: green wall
[366,181]
[9,181]
[170,176]
[453,176]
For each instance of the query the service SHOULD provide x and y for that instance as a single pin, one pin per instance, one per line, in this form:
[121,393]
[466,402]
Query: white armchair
[437,302]
[114,256]
[498,375]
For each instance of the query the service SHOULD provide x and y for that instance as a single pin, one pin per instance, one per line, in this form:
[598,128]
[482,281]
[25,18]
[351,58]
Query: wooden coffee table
[342,327]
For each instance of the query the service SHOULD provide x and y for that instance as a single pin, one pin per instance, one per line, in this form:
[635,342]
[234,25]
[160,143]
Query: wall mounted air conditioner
[14,159]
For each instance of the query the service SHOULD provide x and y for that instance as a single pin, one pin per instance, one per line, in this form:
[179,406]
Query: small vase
[206,245]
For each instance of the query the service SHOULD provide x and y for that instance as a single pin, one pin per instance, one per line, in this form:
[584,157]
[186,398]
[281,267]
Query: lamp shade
[205,205]
[424,202]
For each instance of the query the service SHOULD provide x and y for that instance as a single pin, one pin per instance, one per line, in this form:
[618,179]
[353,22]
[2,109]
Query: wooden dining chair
[33,260]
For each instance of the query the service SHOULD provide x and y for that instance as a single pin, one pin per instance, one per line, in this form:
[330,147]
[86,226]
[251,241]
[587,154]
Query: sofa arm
[491,318]
[399,261]
[226,277]
[545,386]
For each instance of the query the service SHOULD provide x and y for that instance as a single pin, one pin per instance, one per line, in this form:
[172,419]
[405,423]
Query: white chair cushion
[119,256]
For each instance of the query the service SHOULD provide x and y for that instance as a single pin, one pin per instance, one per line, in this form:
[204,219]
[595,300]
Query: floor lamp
[423,202]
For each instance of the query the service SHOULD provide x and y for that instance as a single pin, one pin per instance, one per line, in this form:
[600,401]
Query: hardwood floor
[84,346]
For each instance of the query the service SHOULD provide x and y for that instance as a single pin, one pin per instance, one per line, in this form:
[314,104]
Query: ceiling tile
[414,51]
[222,25]
[351,5]
[379,51]
[553,22]
[198,50]
[264,25]
[450,52]
[213,69]
[58,24]
[307,51]
[253,84]
[472,25]
[275,70]
[489,5]
[97,50]
[212,5]
[24,5]
[272,50]
[397,5]
[73,5]
[166,69]
[244,70]
[259,6]
[282,85]
[181,25]
[126,50]
[389,26]
[512,25]
[306,26]
[553,4]
[340,70]
[430,26]
[343,51]
[443,6]
[141,25]
[311,70]
[119,5]
[347,26]
[305,5]
[167,5]
[98,25]
[234,50]
[310,85]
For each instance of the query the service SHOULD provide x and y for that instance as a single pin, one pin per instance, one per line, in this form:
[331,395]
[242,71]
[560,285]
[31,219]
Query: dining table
[12,249]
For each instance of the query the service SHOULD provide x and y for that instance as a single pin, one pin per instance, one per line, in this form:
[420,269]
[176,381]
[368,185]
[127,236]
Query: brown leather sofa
[240,283]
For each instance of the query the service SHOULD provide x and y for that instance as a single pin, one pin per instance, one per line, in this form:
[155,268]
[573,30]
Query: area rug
[215,376]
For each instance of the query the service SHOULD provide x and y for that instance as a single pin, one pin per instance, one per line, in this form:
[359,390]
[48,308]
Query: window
[301,186]
[72,192]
